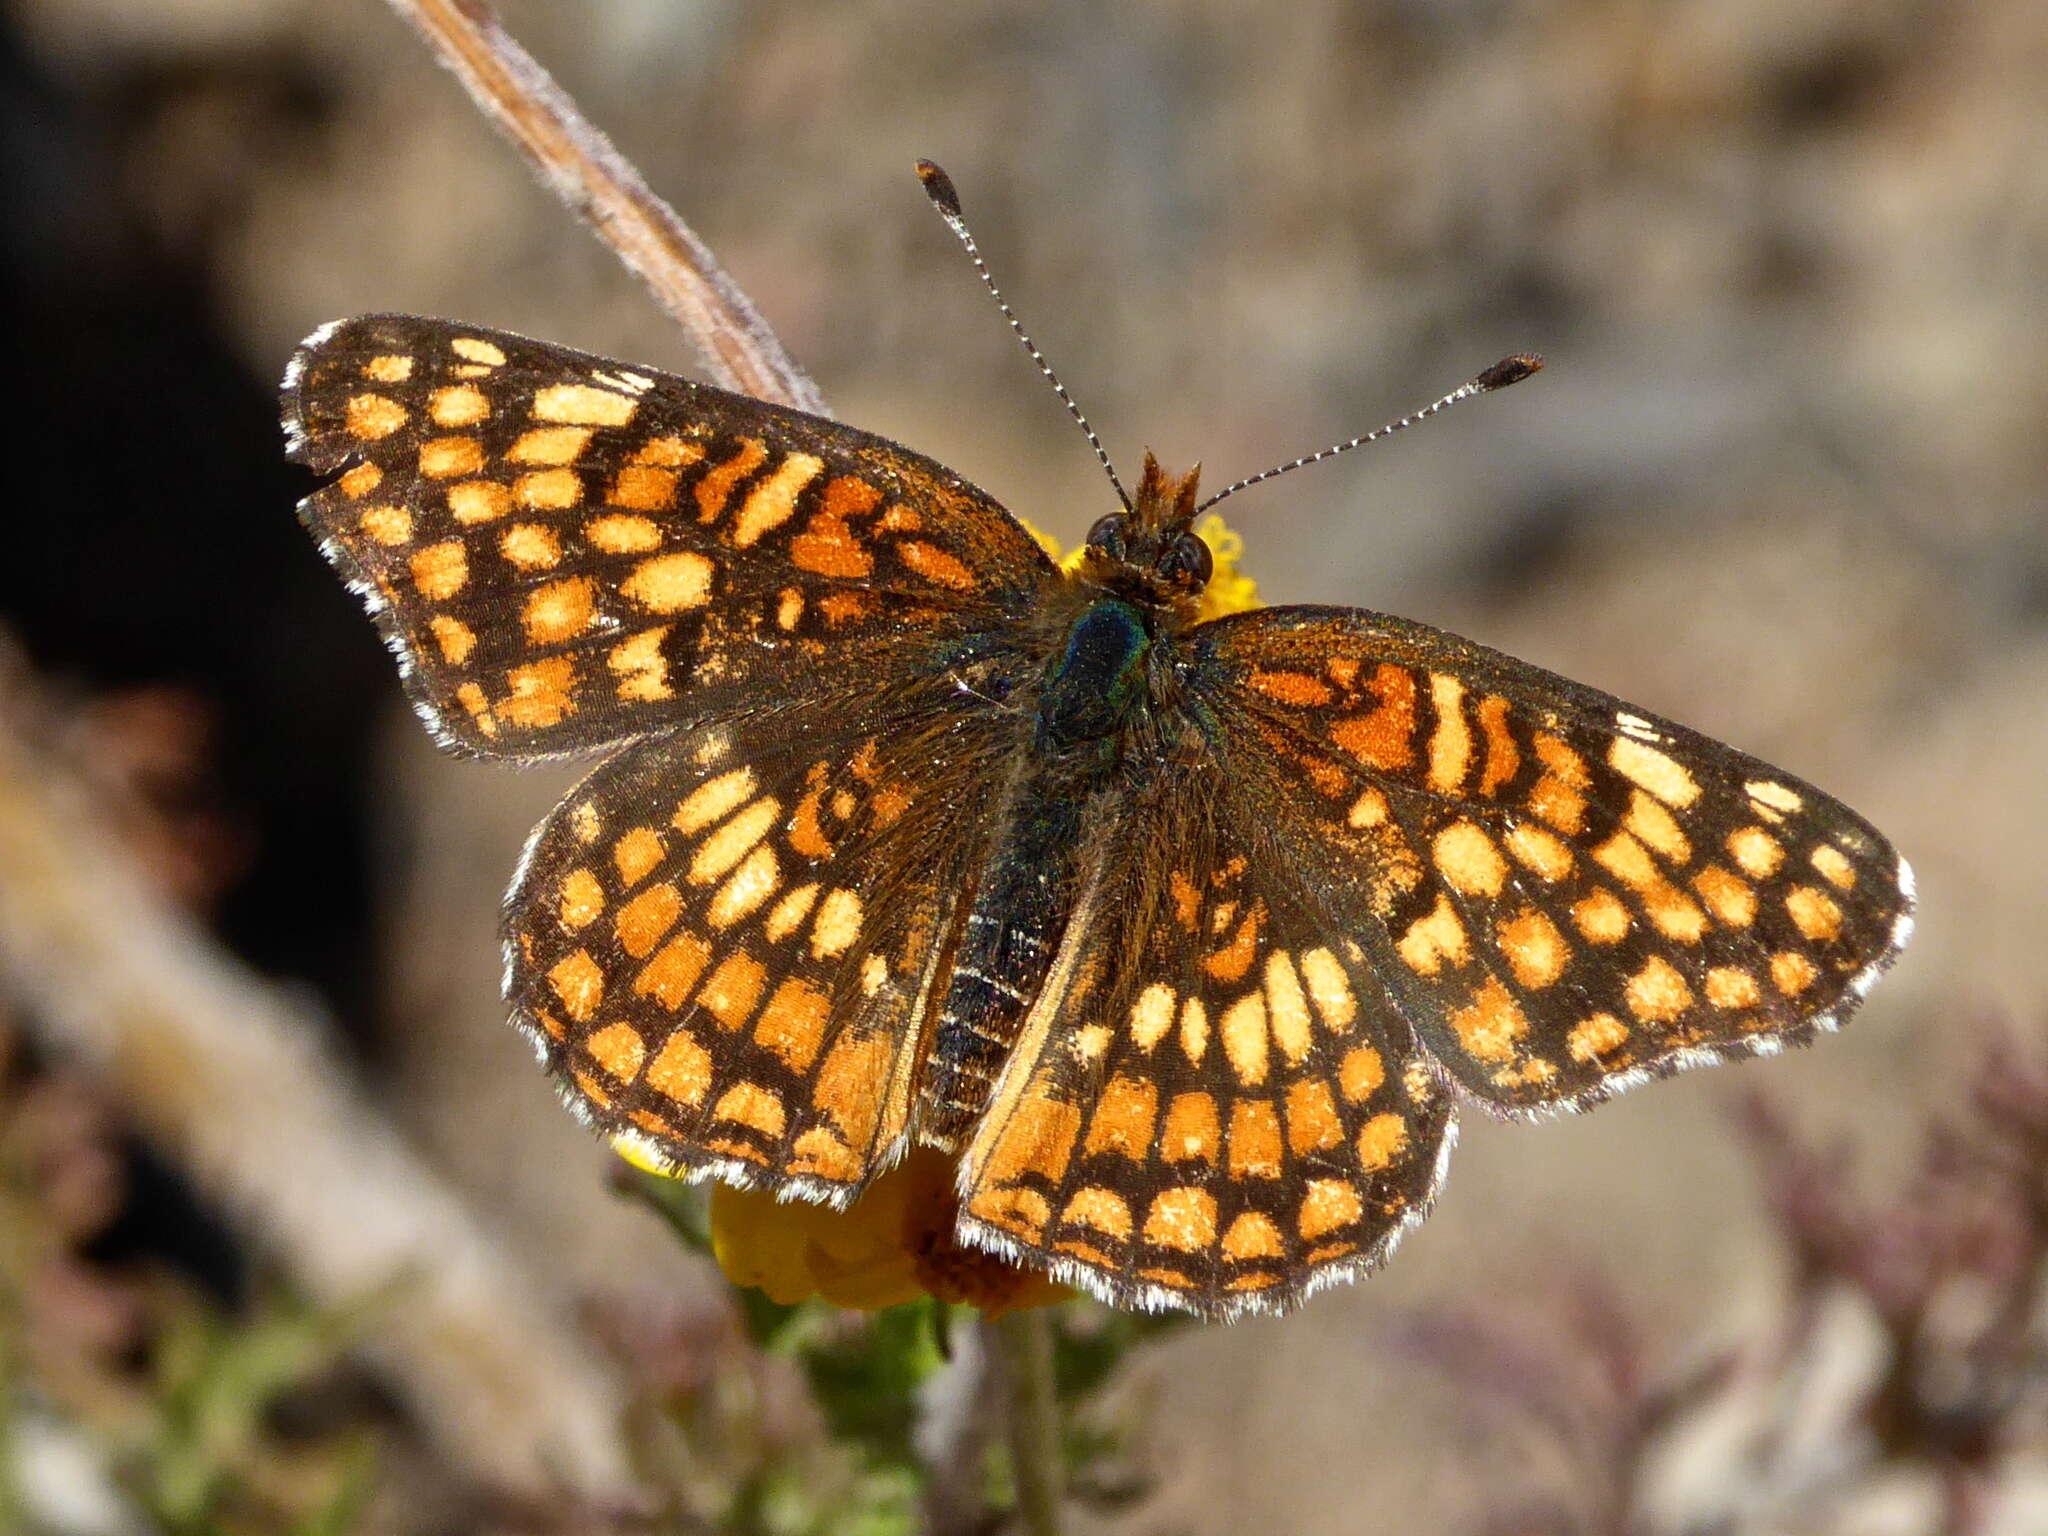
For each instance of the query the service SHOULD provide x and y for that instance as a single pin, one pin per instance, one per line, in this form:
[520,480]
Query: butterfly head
[1151,553]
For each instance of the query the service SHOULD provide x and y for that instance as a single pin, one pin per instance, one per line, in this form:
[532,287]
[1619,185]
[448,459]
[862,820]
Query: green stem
[1034,1417]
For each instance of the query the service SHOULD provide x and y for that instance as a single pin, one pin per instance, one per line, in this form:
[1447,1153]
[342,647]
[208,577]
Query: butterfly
[1187,938]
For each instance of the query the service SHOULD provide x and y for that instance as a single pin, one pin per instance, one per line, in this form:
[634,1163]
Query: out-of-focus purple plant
[1900,1386]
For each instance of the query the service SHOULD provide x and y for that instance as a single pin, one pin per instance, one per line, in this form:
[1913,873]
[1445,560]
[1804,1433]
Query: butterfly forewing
[566,552]
[1561,892]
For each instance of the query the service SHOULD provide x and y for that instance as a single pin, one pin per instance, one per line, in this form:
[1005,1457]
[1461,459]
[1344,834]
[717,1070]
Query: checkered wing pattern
[1212,1105]
[1562,893]
[566,553]
[724,942]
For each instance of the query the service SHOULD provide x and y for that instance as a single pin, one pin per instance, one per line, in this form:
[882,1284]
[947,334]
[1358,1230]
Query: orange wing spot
[1100,1209]
[935,565]
[1183,1219]
[899,519]
[755,1107]
[370,417]
[636,854]
[1287,1008]
[714,800]
[1556,802]
[582,899]
[734,989]
[1503,757]
[1254,1139]
[1194,1029]
[1360,1073]
[386,524]
[1312,1123]
[1814,913]
[1038,1138]
[820,1153]
[843,607]
[476,350]
[1834,868]
[849,1085]
[1468,859]
[1676,915]
[669,452]
[1656,826]
[747,889]
[1152,1015]
[455,638]
[1774,797]
[619,1049]
[773,502]
[1450,744]
[1232,960]
[642,488]
[1602,918]
[827,547]
[668,977]
[793,1023]
[584,404]
[1022,1211]
[1295,689]
[1728,898]
[1253,1236]
[1383,739]
[1628,861]
[680,1070]
[458,405]
[1328,1205]
[716,484]
[1657,993]
[1562,762]
[1489,1025]
[1757,852]
[1246,1039]
[1124,1119]
[1534,948]
[591,1089]
[443,458]
[1433,939]
[559,611]
[888,805]
[1731,987]
[789,608]
[641,668]
[1792,973]
[790,912]
[1187,901]
[391,368]
[1089,1042]
[549,445]
[837,925]
[548,490]
[472,699]
[670,583]
[1192,1130]
[441,570]
[1537,850]
[585,823]
[1659,773]
[360,481]
[734,840]
[1329,988]
[1595,1037]
[1367,811]
[530,547]
[578,984]
[478,501]
[543,693]
[806,832]
[643,921]
[1381,1140]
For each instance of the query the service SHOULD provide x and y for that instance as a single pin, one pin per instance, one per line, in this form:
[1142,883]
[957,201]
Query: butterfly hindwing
[1562,893]
[567,552]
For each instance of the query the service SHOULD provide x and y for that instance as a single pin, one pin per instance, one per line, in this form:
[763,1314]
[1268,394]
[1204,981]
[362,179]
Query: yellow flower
[896,1242]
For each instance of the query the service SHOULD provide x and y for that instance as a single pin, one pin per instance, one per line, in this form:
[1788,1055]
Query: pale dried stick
[583,169]
[230,1075]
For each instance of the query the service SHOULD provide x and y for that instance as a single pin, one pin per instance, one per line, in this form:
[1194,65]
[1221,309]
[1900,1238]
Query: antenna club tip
[1510,370]
[938,186]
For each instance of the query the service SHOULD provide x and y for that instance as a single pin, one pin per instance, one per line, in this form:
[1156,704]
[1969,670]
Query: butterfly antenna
[1509,370]
[938,186]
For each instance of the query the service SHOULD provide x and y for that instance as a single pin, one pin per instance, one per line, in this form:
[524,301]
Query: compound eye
[1111,535]
[1187,562]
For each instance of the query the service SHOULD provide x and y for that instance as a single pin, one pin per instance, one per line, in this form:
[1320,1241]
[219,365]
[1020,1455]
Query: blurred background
[1786,480]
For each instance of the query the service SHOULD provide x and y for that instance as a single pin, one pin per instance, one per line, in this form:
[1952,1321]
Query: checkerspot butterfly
[1186,937]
